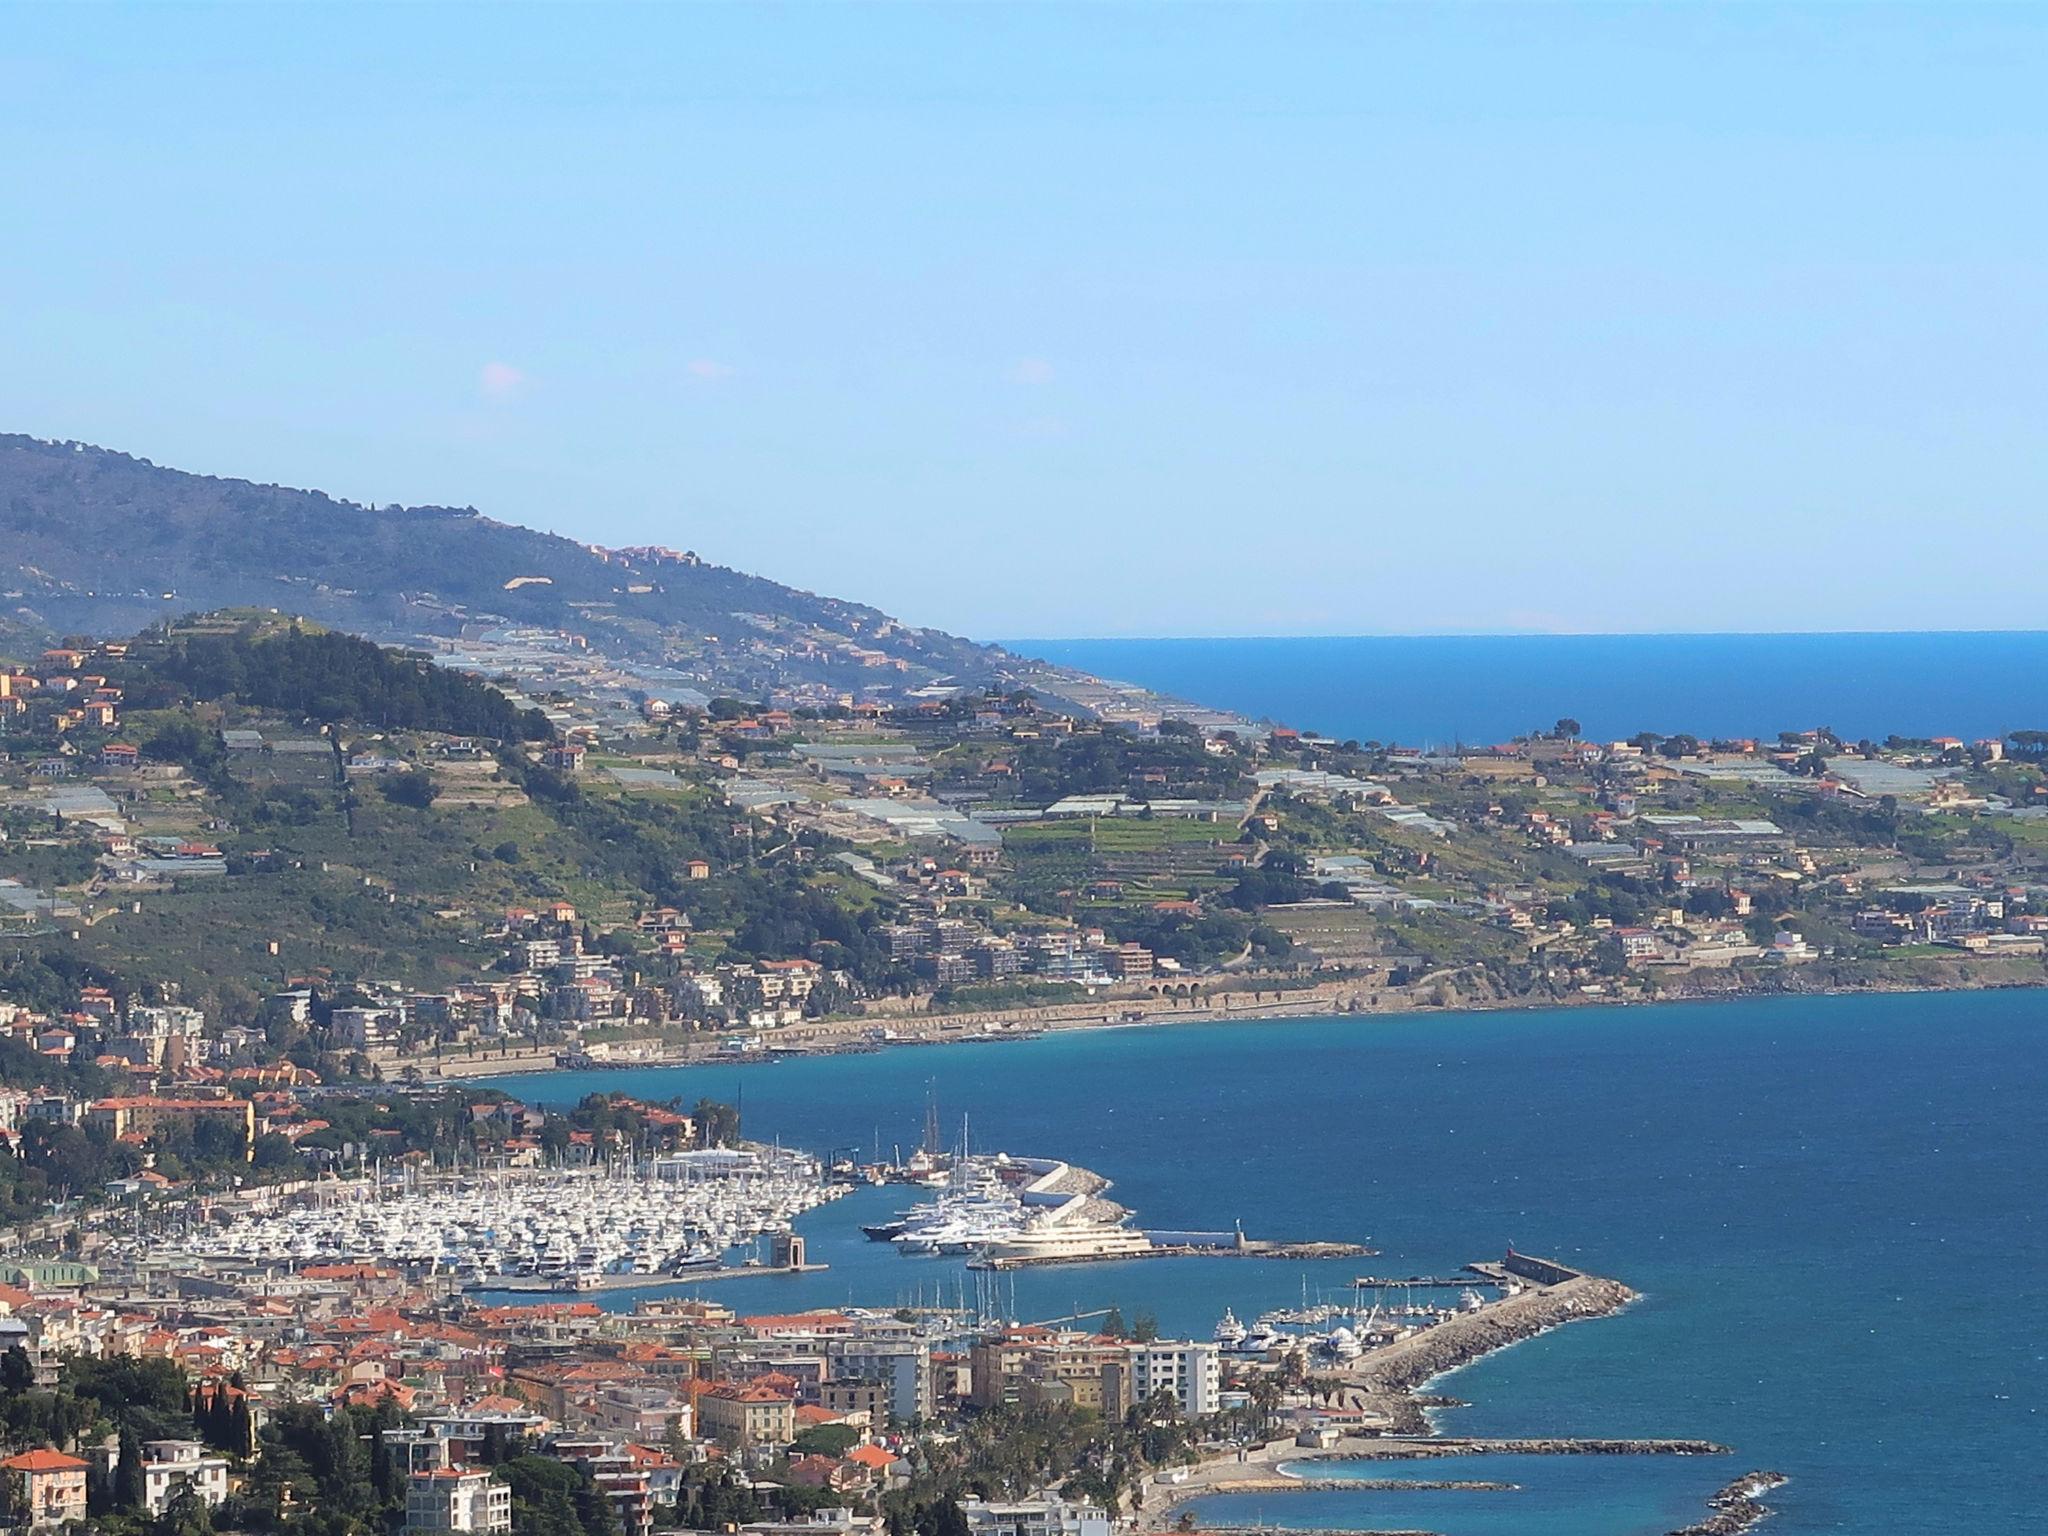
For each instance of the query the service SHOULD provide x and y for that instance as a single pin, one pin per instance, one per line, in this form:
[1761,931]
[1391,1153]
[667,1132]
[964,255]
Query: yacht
[1262,1338]
[1067,1240]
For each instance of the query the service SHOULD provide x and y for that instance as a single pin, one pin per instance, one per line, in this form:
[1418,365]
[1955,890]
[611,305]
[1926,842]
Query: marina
[674,1216]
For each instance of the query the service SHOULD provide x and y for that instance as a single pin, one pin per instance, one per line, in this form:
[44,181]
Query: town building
[1191,1372]
[145,1115]
[457,1499]
[1047,1515]
[49,1486]
[743,1415]
[168,1466]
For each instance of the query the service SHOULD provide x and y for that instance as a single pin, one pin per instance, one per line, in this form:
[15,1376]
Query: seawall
[1389,1376]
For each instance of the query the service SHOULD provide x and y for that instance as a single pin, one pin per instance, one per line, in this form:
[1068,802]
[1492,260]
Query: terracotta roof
[746,1392]
[44,1460]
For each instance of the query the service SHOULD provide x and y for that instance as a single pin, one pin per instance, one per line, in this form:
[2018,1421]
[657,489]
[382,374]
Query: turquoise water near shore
[1440,689]
[1833,1207]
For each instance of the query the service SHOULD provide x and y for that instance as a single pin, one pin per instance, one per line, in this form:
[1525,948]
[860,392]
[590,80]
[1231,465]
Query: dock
[1432,1282]
[1241,1248]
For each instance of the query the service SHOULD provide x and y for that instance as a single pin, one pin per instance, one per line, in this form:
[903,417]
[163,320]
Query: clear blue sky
[1107,320]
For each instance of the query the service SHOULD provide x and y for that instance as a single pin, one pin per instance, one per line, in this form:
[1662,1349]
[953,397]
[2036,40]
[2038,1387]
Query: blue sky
[1086,321]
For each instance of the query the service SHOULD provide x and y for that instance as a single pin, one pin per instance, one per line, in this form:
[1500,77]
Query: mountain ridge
[104,542]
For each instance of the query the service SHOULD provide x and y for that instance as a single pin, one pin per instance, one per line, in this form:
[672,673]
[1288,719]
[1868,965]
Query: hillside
[102,543]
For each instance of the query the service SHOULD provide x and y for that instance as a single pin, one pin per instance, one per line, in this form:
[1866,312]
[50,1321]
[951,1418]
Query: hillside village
[194,881]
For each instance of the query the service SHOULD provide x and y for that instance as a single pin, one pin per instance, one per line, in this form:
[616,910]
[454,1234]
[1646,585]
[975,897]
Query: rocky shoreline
[1737,1506]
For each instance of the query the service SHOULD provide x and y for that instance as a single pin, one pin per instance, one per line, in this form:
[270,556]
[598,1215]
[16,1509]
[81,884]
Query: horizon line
[1529,634]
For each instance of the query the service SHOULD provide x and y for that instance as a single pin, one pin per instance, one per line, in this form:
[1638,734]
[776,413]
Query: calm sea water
[1437,690]
[1833,1206]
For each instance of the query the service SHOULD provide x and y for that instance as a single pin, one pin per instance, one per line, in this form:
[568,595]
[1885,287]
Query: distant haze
[1072,320]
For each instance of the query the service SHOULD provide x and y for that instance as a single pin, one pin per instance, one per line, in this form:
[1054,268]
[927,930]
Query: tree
[17,1371]
[825,1440]
[2029,746]
[1566,727]
[718,1125]
[185,1514]
[411,789]
[129,1484]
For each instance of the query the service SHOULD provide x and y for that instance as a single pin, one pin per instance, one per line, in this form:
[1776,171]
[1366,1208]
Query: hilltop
[103,543]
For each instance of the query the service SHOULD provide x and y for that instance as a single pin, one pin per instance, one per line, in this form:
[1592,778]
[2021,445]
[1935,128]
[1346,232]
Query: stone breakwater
[1737,1506]
[1461,1445]
[1284,1484]
[1386,1379]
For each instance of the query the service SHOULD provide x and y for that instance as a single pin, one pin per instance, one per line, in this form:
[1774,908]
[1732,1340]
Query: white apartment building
[454,1499]
[1193,1373]
[169,1465]
[1046,1515]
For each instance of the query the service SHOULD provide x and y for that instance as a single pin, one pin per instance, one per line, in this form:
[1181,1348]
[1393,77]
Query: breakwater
[1242,1248]
[1387,1378]
[1285,1484]
[1737,1507]
[1424,1448]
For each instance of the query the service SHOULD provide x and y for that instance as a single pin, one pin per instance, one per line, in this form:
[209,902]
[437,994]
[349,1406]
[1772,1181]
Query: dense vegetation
[330,677]
[1006,1453]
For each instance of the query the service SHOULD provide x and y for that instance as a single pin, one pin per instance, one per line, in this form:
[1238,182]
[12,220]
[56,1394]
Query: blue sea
[1833,1206]
[1442,690]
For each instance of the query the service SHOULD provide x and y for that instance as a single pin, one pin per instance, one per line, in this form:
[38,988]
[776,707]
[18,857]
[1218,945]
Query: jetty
[1473,1278]
[1222,1245]
[1282,1483]
[1385,1380]
[1429,1447]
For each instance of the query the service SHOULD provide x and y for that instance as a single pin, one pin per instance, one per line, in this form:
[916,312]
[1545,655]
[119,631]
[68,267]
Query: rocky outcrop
[1737,1506]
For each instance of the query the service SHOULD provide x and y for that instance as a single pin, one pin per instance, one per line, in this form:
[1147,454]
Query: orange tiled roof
[45,1460]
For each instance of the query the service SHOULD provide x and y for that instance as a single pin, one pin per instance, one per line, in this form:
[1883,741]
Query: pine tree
[129,1484]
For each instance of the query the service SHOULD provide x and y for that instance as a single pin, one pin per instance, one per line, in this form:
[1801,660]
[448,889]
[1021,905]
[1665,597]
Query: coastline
[1326,1000]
